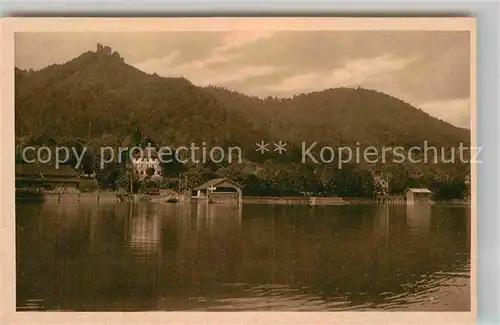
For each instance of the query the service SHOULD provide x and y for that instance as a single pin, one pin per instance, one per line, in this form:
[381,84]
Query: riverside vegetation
[98,100]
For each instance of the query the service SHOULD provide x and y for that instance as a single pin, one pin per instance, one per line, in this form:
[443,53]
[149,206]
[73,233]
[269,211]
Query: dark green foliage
[97,100]
[343,116]
[96,95]
[452,189]
[147,184]
[127,180]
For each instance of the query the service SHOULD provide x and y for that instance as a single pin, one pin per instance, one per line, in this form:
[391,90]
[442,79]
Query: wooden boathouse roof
[225,182]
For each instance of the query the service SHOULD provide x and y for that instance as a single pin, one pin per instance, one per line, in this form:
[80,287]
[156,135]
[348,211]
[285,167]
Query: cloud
[361,70]
[355,72]
[206,72]
[152,65]
[224,52]
[214,69]
[454,111]
[221,77]
[216,58]
[240,74]
[237,40]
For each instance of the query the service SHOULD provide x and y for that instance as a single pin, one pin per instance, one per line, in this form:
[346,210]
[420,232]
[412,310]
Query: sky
[428,69]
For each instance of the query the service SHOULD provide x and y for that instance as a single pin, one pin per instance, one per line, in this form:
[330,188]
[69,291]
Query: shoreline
[117,197]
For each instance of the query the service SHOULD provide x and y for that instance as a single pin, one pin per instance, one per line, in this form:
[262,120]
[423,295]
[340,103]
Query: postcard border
[9,26]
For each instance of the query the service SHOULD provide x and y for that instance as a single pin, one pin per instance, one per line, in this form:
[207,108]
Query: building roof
[45,171]
[419,190]
[214,182]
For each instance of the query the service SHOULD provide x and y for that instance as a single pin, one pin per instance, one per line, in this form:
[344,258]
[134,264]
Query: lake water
[124,257]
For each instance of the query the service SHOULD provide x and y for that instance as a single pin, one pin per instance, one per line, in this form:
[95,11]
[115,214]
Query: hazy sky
[430,70]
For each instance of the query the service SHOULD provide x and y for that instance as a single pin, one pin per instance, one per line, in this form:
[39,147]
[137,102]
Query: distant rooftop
[214,182]
[45,170]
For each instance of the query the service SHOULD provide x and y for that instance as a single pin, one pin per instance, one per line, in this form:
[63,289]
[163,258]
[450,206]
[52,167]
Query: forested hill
[97,94]
[344,116]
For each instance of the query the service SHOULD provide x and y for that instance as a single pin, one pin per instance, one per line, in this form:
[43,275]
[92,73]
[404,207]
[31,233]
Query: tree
[128,180]
[448,190]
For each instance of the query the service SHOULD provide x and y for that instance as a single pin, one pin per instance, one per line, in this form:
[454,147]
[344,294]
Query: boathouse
[418,196]
[48,177]
[219,190]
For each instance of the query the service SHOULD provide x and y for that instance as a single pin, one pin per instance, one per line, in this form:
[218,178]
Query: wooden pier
[391,199]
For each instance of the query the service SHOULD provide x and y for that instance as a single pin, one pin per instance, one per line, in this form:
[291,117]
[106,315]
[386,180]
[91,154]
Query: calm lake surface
[124,257]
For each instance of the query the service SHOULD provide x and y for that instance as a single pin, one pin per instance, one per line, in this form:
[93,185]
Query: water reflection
[418,217]
[145,225]
[233,257]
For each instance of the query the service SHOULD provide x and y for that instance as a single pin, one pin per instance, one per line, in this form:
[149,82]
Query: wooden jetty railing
[391,199]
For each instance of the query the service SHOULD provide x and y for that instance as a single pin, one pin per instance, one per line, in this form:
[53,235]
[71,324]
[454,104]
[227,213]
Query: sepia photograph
[241,168]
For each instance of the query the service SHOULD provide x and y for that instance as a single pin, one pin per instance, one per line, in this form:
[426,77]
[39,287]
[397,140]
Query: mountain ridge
[342,102]
[97,100]
[63,99]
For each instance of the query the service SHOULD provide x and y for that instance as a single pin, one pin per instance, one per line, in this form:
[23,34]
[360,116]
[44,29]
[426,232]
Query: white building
[148,160]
